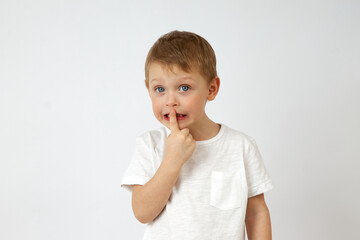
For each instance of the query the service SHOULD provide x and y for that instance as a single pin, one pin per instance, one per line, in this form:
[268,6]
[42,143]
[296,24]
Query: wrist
[170,163]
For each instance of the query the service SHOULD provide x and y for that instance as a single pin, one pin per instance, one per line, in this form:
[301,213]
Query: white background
[73,100]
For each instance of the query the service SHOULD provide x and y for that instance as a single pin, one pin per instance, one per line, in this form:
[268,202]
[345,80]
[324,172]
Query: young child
[193,178]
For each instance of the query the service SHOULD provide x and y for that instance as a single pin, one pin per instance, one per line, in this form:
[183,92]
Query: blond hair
[187,50]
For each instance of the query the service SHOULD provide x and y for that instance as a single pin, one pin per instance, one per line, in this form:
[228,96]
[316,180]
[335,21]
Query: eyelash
[180,87]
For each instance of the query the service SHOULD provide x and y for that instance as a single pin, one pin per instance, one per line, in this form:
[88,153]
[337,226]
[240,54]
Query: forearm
[150,199]
[258,225]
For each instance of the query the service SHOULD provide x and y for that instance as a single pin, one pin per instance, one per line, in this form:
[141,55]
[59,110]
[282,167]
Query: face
[186,92]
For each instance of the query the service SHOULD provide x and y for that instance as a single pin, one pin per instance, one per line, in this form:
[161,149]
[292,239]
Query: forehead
[160,72]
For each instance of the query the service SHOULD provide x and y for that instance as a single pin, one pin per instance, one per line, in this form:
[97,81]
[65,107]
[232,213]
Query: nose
[171,100]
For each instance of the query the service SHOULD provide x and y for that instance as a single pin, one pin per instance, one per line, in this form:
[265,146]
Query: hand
[179,145]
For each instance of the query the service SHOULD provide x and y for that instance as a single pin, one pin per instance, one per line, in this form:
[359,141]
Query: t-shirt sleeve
[257,177]
[140,168]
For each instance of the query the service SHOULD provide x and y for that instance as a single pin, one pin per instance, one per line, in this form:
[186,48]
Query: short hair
[187,50]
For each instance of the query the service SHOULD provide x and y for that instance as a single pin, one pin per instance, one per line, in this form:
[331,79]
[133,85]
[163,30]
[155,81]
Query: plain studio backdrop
[73,100]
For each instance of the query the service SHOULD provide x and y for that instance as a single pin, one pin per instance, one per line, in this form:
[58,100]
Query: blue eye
[158,88]
[186,87]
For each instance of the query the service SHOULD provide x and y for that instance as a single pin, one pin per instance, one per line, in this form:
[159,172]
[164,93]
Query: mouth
[179,116]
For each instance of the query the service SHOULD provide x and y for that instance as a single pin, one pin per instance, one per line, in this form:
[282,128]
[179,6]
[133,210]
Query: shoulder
[238,136]
[238,140]
[153,137]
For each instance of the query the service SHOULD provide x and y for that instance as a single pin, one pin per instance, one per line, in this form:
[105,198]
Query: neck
[205,130]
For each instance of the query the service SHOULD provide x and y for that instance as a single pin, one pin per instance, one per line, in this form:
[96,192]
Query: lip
[178,118]
[176,113]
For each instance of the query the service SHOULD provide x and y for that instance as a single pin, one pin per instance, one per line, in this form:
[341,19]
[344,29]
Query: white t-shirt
[209,199]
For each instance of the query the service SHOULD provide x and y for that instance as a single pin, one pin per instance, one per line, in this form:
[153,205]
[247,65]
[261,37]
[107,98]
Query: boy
[194,178]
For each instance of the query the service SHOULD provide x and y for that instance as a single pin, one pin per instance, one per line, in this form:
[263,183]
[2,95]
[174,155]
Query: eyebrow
[182,78]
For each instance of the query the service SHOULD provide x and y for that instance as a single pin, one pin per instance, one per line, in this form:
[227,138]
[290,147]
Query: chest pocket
[226,190]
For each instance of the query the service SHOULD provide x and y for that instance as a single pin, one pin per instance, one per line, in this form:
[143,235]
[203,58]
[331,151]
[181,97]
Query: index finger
[174,126]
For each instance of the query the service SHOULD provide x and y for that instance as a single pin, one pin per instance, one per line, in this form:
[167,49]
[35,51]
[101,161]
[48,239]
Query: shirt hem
[129,181]
[261,188]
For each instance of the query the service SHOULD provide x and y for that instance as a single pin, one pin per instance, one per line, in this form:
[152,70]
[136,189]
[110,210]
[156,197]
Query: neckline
[205,142]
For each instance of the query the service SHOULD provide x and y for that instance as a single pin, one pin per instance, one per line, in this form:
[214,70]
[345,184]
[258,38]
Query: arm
[149,200]
[257,219]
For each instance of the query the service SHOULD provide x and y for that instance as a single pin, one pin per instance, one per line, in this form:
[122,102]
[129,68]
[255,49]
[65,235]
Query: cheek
[157,108]
[154,102]
[195,104]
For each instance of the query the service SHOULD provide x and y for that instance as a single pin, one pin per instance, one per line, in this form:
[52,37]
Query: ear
[213,88]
